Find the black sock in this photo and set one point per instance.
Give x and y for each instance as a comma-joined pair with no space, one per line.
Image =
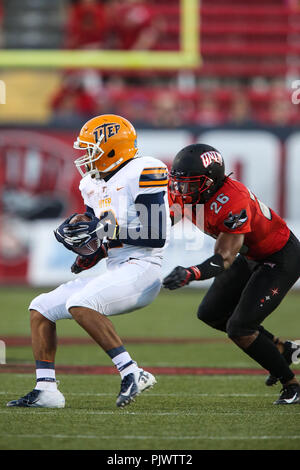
265,352
266,332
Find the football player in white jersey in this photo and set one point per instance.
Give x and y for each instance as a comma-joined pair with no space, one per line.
126,222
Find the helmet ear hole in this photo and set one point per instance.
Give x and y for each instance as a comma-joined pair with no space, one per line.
111,153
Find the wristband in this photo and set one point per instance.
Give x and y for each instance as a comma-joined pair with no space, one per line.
212,267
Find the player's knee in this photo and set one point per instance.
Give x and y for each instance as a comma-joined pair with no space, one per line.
204,314
76,312
38,320
39,310
236,329
36,316
37,303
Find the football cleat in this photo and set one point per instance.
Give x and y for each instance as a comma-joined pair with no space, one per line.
290,349
133,384
40,399
290,395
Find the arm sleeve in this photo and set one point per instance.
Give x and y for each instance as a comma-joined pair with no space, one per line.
89,210
149,229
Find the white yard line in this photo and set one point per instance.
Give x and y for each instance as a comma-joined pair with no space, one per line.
86,394
121,412
159,437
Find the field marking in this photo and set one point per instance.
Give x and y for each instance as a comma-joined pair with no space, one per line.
111,370
185,394
96,370
170,377
121,412
157,437
16,341
186,414
192,395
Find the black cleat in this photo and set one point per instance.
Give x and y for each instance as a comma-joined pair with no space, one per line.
290,349
290,395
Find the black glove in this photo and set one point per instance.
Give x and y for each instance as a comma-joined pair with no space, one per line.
60,233
86,262
179,277
79,234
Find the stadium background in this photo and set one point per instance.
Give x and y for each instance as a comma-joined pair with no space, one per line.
234,88
236,94
228,76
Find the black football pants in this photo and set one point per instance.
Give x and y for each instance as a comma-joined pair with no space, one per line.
242,297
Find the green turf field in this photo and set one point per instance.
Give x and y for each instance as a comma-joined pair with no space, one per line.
181,412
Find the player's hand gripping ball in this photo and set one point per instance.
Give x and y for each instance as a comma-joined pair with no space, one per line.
78,233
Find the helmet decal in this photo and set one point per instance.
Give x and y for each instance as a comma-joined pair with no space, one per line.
107,130
209,157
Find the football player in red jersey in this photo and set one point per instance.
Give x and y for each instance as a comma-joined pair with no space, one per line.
255,263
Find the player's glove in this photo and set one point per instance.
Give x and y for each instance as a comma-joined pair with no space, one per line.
180,277
78,234
86,262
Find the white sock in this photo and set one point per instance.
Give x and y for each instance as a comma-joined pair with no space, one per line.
50,386
45,379
121,361
128,370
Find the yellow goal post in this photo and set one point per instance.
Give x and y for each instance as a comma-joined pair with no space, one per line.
187,56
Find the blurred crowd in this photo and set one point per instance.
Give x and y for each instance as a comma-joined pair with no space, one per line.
173,101
153,99
170,103
159,100
111,24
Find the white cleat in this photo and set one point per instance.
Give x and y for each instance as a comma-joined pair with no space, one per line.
145,381
40,399
133,384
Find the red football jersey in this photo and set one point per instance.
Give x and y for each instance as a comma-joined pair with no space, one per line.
235,209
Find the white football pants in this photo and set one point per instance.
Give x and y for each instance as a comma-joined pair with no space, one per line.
129,286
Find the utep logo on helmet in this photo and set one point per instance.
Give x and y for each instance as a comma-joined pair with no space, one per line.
209,157
107,130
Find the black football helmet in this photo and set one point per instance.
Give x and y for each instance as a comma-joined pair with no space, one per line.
197,172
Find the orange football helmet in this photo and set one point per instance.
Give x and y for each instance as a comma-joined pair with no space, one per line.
109,140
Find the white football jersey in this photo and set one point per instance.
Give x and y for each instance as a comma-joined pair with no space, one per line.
117,195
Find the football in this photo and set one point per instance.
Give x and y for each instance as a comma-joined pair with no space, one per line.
79,218
90,247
